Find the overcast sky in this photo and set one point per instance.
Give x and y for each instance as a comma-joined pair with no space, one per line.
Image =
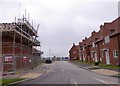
62,22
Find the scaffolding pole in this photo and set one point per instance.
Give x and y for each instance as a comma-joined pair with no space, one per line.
1,59
28,54
20,47
14,60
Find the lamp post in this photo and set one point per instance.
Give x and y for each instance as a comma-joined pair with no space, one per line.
49,53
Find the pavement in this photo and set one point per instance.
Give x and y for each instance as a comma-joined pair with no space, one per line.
97,69
31,73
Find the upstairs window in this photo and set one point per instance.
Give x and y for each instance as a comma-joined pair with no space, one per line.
93,44
112,31
106,39
74,51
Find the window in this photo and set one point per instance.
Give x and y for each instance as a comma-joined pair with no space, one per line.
112,31
102,54
106,39
91,55
74,51
83,48
115,54
93,44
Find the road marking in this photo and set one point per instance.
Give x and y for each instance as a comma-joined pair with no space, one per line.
112,82
76,83
102,81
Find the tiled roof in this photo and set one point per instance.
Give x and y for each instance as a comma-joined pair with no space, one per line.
113,28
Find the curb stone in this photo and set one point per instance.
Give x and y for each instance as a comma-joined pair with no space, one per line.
88,69
15,83
21,81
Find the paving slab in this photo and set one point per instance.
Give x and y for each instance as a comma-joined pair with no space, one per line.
105,71
31,75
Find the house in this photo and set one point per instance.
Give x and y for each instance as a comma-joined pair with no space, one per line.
110,43
84,49
74,52
94,54
102,46
18,45
99,45
115,42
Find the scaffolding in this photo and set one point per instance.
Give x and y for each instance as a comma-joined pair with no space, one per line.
18,41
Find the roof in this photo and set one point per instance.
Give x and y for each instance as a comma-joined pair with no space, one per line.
95,36
74,46
85,42
113,28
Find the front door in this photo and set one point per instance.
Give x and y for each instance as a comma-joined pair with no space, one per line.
107,57
96,60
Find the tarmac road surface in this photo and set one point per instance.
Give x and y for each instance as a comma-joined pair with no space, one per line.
63,72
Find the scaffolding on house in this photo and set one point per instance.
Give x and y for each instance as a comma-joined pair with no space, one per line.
18,39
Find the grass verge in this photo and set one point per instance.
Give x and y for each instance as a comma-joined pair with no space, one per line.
8,81
105,66
84,62
109,66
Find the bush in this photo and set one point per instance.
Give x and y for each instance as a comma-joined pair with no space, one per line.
96,63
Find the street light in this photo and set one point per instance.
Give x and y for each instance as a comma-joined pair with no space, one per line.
49,53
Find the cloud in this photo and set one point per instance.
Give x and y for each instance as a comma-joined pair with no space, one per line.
62,22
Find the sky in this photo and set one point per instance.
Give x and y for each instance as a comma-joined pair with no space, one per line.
62,22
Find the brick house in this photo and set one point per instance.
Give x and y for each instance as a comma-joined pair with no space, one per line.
74,52
99,45
110,43
102,46
81,51
115,42
18,45
94,54
84,50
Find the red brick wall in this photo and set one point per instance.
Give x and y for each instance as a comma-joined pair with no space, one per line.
74,53
113,46
7,67
101,46
7,49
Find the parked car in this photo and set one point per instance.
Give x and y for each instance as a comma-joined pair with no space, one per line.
48,61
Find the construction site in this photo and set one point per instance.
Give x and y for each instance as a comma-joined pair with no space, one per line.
19,45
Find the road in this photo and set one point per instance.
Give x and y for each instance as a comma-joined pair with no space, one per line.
63,72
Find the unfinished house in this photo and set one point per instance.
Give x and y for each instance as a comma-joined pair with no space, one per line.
18,45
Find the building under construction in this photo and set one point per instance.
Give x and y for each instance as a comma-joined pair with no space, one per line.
18,45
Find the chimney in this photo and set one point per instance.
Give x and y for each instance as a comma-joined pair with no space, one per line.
101,27
73,44
93,33
85,38
80,43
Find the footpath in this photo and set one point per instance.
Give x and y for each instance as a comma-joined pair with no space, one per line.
29,74
98,69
